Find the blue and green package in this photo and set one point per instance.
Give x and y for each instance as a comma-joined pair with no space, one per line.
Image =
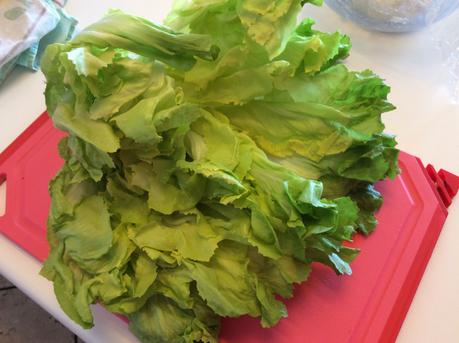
26,28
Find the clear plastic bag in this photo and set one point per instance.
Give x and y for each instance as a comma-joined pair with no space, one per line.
394,15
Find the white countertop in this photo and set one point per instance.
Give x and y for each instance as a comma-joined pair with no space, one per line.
426,122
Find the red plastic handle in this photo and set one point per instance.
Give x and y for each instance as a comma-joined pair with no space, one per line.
445,183
451,181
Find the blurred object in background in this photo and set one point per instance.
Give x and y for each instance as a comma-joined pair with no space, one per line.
445,36
394,15
26,28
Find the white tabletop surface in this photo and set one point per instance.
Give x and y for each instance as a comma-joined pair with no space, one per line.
426,122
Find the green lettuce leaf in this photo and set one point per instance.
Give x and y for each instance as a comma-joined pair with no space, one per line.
208,164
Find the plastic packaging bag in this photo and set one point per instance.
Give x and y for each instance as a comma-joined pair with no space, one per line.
23,23
26,28
394,15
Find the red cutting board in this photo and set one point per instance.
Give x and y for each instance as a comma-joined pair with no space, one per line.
369,306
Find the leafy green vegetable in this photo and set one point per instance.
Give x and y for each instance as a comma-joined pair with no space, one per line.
208,164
